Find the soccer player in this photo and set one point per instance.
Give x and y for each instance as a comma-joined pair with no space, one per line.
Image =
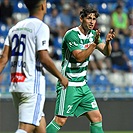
77,99
27,47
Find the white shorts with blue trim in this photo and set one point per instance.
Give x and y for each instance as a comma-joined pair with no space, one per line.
29,107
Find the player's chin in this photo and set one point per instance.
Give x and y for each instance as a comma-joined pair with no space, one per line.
90,27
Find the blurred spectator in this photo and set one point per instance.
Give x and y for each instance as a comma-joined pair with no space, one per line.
119,21
93,67
121,3
57,43
6,11
81,2
130,15
75,10
97,63
119,60
128,43
53,20
65,15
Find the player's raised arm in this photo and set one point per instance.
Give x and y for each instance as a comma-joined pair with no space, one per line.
106,47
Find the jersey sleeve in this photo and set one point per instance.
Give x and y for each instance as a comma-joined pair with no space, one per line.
72,41
43,38
7,40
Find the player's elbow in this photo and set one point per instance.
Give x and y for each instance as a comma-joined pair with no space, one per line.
80,60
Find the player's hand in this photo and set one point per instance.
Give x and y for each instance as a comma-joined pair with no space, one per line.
110,35
64,81
96,40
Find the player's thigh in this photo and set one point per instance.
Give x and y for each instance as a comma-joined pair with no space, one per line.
30,108
88,102
42,127
67,101
32,128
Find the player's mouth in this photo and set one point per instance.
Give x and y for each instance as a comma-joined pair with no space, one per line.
90,26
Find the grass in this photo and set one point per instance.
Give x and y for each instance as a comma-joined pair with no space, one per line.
105,132
88,132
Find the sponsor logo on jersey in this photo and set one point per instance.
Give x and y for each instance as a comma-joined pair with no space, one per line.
44,42
18,77
94,104
86,46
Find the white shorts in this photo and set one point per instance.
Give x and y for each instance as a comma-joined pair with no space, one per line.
29,107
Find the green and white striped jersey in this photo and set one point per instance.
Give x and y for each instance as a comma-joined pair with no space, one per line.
73,70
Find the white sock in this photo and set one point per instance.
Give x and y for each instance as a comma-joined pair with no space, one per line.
20,131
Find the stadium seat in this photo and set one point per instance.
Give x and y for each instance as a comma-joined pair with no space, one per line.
100,88
116,79
3,29
90,80
129,89
129,53
20,7
103,8
101,80
2,42
94,1
103,19
115,89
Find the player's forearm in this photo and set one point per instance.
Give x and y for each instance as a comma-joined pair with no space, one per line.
84,54
50,66
107,49
2,63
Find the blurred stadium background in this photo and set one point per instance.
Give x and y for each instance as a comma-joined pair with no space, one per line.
112,88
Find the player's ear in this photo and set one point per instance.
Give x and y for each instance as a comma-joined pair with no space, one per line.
43,6
81,19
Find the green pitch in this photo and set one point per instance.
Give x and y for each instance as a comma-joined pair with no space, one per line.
88,132
105,132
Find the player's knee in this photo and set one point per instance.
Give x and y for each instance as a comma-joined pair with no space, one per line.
20,131
97,118
60,120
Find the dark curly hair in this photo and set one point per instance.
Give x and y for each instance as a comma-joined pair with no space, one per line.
87,10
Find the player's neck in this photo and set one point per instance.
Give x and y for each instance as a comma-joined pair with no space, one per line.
83,30
36,15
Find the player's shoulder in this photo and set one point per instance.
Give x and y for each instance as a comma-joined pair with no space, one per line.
72,32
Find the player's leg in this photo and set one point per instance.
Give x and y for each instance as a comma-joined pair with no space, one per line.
28,128
88,107
30,111
55,125
58,121
25,128
65,106
96,121
42,127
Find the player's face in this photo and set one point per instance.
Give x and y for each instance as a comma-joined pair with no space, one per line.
89,22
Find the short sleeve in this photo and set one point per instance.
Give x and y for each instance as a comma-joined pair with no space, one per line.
42,38
7,41
72,41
